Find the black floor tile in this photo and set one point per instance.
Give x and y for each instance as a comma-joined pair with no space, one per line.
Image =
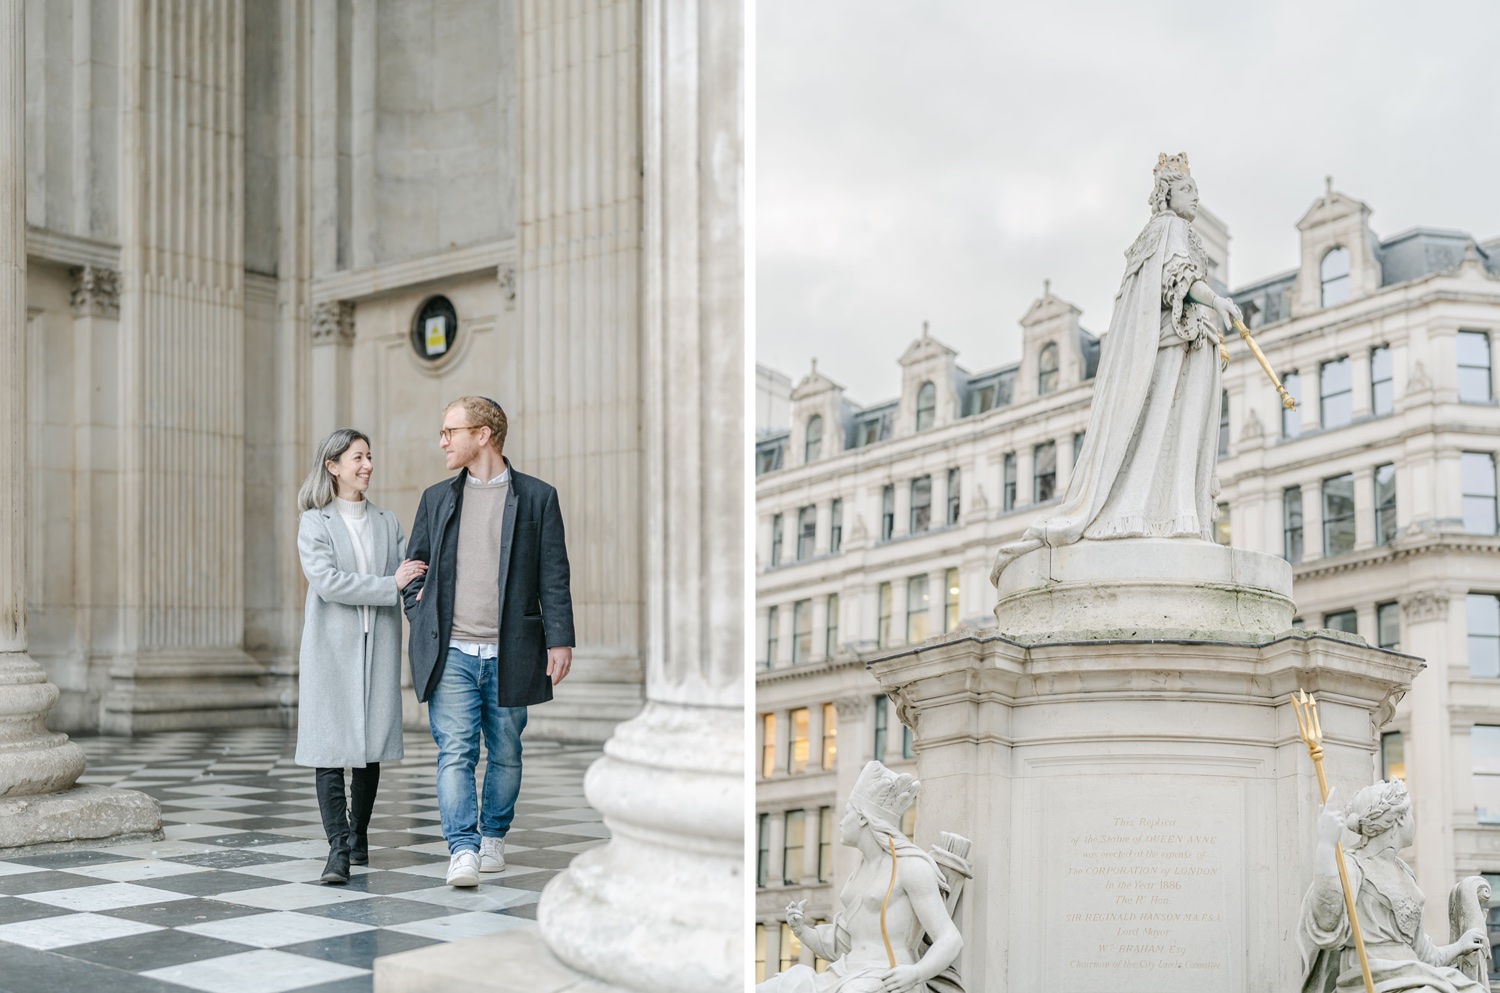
230,858
249,839
525,910
68,860
213,883
384,882
400,858
153,950
13,909
41,882
177,913
359,950
25,970
541,858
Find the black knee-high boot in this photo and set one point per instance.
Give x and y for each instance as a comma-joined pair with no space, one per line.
335,824
361,805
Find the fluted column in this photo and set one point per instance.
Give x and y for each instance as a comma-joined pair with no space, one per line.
660,906
182,373
32,759
332,343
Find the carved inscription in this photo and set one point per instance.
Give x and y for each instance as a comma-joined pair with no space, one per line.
1145,892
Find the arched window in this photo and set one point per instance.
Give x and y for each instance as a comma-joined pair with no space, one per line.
1046,380
814,444
926,406
1334,273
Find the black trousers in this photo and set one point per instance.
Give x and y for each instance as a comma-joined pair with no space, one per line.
342,821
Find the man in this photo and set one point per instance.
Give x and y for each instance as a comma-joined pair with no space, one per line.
491,626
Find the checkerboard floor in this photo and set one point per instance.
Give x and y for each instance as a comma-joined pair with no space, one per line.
230,901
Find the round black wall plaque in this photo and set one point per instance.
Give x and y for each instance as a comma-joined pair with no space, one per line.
435,329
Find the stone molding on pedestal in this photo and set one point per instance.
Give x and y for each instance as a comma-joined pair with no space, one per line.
333,323
96,291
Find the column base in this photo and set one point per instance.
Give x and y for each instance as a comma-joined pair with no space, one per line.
512,962
597,696
83,814
182,691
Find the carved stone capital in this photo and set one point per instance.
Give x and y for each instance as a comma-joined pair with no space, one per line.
96,291
850,707
333,322
507,276
1427,605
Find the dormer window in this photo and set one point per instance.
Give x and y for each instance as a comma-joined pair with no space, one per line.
1046,379
813,447
1334,273
926,406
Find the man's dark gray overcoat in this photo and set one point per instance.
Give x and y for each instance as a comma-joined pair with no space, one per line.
535,606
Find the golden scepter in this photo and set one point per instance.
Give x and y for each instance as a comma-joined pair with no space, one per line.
1286,398
1306,709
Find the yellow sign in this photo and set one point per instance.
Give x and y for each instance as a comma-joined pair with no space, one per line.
437,335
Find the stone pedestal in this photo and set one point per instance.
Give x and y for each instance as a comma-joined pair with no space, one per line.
1141,804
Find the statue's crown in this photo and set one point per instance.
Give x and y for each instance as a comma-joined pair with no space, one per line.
883,792
1173,163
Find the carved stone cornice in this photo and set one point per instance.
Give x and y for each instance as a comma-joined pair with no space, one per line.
96,291
507,276
333,322
1426,605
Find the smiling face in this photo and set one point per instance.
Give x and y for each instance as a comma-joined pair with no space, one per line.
461,442
1182,198
351,471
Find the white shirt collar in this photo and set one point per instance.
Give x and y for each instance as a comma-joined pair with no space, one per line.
503,477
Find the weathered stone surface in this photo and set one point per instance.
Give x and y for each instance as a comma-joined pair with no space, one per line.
514,961
1132,588
83,813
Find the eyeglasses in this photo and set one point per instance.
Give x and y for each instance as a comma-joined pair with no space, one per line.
447,433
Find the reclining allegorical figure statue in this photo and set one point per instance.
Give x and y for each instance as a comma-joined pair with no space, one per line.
1402,959
896,931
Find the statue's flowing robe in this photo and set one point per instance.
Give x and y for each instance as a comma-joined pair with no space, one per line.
1148,458
1389,904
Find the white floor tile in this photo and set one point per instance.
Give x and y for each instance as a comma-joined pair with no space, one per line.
170,816
473,898
456,926
274,929
184,832
70,929
315,847
219,789
106,896
15,868
130,872
263,971
300,871
292,896
209,802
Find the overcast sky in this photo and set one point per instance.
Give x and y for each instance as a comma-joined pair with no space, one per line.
937,160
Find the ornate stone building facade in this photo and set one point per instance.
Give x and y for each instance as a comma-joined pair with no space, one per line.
877,525
239,219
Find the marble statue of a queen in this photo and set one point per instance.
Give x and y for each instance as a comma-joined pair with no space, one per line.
1148,458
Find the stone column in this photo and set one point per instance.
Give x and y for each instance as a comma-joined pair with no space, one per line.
182,329
1429,745
32,759
39,802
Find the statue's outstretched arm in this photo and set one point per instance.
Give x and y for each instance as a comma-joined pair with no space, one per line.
820,938
1227,309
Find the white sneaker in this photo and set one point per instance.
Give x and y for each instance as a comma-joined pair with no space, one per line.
463,869
491,854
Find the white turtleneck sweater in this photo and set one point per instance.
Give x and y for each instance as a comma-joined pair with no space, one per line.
357,519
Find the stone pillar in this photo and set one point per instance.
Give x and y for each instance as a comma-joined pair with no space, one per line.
39,802
32,759
181,661
1429,746
660,907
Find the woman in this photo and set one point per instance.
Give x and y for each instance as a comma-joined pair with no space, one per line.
1149,454
1402,958
349,682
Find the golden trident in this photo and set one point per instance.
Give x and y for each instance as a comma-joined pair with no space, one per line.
1286,398
1306,709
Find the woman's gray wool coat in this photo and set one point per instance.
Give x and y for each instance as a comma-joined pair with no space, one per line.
349,707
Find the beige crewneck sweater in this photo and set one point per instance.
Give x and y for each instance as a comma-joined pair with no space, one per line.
476,588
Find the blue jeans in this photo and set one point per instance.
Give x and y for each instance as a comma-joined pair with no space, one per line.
464,705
